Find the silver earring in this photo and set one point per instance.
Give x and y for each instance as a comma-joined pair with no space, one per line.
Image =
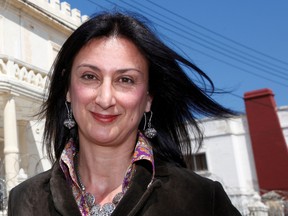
69,121
149,132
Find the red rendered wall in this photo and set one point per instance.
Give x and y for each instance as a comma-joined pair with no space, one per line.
268,143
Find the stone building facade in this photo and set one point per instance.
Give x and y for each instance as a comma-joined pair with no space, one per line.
31,34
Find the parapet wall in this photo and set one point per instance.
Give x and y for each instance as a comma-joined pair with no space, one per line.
59,10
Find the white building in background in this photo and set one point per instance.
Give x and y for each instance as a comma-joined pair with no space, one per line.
31,34
226,156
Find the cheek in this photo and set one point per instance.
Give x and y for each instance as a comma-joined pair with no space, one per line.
80,95
136,104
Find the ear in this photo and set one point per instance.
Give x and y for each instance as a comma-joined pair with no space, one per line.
148,103
68,98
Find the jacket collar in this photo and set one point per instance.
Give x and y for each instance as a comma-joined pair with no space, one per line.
143,184
139,191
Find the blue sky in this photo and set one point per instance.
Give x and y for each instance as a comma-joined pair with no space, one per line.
241,45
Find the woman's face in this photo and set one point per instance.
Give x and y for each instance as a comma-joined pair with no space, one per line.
109,91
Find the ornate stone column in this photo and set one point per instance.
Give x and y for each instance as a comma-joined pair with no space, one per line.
11,147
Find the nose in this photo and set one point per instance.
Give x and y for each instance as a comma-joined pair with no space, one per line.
105,95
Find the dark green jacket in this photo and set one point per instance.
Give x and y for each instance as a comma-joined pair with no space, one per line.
174,191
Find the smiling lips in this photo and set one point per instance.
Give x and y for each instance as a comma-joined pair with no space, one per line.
104,118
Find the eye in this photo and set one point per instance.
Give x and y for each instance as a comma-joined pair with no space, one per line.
126,80
88,77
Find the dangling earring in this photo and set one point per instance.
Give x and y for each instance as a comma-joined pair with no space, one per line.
69,121
149,131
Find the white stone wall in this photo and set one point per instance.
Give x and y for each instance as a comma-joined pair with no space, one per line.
28,39
229,154
31,34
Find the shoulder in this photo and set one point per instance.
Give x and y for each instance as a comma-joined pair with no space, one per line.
190,187
31,196
189,181
34,182
31,186
182,175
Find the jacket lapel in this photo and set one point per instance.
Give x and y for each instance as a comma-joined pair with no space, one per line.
134,195
62,196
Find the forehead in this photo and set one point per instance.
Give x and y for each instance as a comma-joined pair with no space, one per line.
113,51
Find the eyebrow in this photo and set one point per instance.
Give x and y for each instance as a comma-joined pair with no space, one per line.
95,68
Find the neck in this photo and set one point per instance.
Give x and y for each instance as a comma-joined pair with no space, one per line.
102,171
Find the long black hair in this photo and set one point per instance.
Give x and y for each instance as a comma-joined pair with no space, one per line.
177,100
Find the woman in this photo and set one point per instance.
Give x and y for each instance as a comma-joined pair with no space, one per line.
115,115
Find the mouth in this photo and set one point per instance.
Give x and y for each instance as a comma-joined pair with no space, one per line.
104,118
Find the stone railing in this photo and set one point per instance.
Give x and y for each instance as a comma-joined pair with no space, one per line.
16,71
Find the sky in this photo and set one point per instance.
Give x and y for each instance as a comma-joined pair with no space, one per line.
241,45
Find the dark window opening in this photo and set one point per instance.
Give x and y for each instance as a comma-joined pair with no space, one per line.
197,162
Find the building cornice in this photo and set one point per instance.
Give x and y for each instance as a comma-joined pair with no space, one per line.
57,15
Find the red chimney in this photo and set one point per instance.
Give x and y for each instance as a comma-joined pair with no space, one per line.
268,142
